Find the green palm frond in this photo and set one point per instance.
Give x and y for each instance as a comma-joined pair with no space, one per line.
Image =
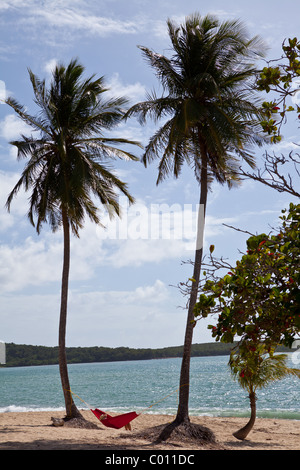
68,155
208,95
260,370
274,368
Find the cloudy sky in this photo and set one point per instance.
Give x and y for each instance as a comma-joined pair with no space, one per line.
123,275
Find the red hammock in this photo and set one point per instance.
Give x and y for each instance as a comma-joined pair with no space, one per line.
116,422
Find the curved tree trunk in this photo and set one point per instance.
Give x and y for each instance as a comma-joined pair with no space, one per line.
183,406
243,432
71,409
182,416
184,391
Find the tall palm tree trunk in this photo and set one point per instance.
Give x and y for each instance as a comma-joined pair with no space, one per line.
243,432
184,392
71,409
182,416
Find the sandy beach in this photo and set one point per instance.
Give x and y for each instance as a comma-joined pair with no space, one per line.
35,431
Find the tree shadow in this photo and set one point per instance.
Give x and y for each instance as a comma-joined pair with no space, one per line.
247,443
64,444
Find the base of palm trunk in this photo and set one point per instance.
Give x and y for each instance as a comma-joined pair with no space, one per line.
78,422
186,429
242,433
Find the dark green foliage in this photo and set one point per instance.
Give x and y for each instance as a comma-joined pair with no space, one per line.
209,105
258,300
68,159
28,355
281,78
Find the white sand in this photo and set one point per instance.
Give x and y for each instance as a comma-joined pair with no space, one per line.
35,431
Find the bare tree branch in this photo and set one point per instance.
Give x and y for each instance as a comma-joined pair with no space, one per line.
239,230
272,175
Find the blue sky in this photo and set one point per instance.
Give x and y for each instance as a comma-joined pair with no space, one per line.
121,288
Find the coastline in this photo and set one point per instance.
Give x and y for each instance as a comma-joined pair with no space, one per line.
34,430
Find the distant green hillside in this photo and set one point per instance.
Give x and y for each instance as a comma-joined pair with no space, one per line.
26,355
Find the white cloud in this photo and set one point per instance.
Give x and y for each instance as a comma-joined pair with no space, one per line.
150,233
141,236
37,260
30,319
78,20
50,66
153,294
136,318
31,263
72,17
140,317
156,232
6,5
138,252
135,91
296,89
18,209
81,16
2,91
12,127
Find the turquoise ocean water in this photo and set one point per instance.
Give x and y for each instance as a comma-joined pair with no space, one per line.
137,385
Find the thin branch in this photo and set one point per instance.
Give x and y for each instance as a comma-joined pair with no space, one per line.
272,177
239,230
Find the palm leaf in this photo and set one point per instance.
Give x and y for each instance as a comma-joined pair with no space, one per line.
207,95
68,153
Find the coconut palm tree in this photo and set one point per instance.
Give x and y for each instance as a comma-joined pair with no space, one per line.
68,167
209,114
255,371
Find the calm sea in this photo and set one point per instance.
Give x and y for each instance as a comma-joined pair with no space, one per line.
145,385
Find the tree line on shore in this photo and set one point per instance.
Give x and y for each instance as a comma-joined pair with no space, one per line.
19,355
